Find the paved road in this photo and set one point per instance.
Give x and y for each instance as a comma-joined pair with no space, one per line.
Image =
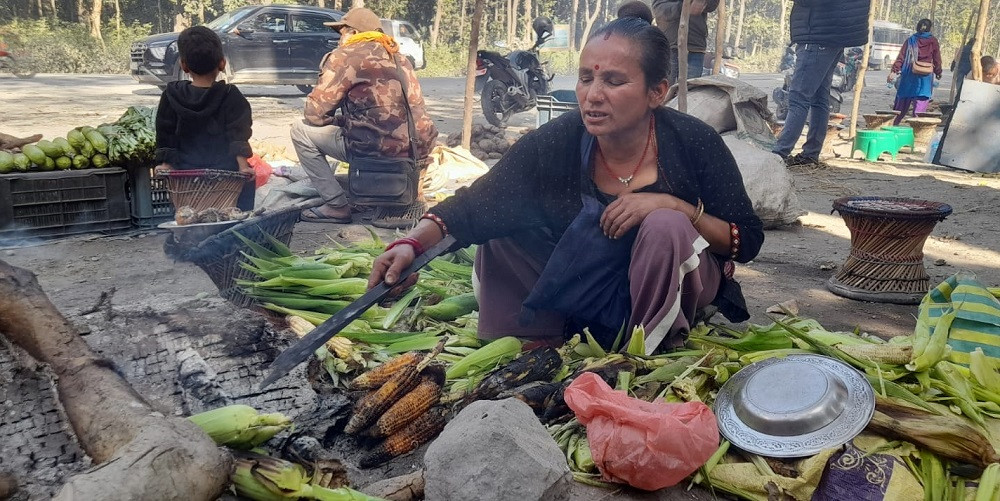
51,104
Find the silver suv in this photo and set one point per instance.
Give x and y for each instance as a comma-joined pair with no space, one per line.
408,39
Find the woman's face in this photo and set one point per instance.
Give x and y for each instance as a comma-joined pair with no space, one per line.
611,87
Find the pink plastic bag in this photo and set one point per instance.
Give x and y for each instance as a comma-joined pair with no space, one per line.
646,445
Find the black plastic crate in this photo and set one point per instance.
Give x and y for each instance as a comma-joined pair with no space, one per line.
60,203
554,104
149,198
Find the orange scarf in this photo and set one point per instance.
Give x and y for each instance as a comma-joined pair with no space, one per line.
374,36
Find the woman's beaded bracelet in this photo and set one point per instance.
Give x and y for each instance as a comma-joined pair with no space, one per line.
438,221
412,242
699,210
734,240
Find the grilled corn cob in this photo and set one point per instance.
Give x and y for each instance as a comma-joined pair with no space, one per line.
408,408
892,354
536,394
539,364
415,434
379,375
372,405
240,426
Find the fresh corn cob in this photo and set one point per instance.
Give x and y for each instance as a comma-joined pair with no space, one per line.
263,478
936,347
452,307
379,375
338,345
415,434
372,405
486,358
240,426
890,354
408,408
582,458
984,370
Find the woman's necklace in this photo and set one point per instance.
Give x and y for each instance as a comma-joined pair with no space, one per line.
627,180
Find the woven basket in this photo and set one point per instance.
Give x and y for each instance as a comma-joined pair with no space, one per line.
220,258
203,189
887,240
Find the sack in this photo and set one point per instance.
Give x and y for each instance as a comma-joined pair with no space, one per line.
382,181
922,68
644,444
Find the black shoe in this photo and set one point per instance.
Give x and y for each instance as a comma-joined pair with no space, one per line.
800,161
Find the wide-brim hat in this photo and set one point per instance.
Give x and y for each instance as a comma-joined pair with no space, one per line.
359,18
794,406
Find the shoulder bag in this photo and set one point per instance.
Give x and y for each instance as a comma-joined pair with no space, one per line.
386,181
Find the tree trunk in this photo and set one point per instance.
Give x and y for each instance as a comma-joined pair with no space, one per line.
436,27
682,57
95,19
81,12
720,43
357,4
321,3
54,8
470,75
933,8
781,23
591,18
729,24
572,25
856,106
965,39
461,20
739,24
512,7
528,35
118,17
888,9
977,48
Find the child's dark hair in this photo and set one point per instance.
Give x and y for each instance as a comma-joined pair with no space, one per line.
653,45
636,8
200,49
988,63
924,25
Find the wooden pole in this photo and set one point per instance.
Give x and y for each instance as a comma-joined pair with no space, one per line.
933,8
977,48
682,57
470,75
720,38
859,86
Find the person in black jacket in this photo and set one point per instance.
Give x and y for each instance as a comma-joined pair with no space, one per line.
202,123
624,212
821,29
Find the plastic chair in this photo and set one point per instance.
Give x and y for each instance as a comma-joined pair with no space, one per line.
875,142
904,136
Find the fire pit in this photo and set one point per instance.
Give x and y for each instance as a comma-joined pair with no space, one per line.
885,264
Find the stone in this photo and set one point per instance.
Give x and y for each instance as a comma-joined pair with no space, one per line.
496,451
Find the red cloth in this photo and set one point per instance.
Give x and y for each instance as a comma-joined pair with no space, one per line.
927,50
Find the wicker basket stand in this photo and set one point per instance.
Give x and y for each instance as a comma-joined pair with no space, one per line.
203,189
885,264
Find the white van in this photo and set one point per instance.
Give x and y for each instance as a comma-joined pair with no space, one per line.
408,39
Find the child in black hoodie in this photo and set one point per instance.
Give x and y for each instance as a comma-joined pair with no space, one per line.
202,123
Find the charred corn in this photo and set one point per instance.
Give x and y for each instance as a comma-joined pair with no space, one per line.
379,375
539,364
240,426
415,434
537,394
340,346
890,354
408,408
372,405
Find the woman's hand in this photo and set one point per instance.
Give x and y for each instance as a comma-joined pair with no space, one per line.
890,78
630,209
390,265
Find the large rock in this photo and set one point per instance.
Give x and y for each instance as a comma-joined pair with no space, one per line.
493,451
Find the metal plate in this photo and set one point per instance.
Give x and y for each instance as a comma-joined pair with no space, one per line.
830,384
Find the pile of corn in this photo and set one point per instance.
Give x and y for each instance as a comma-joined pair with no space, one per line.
310,289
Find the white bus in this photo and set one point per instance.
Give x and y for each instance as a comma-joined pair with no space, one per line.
887,39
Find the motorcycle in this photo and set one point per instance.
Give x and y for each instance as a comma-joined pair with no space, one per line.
8,63
845,76
515,80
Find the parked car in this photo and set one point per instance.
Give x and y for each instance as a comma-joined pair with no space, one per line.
409,40
263,44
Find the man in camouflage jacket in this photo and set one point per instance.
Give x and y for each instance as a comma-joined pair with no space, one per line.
360,79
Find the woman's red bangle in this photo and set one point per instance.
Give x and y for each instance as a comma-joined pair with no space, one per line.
734,240
438,221
412,242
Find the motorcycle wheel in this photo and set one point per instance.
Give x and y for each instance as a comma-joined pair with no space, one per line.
494,94
305,89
